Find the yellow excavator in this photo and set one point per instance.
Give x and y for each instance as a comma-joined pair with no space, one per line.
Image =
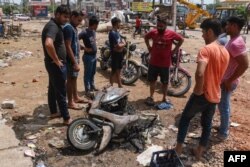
195,12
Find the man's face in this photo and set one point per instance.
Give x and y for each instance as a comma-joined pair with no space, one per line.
118,25
95,27
161,27
62,18
76,20
205,36
230,28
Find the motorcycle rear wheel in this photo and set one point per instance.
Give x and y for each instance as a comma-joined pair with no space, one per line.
181,86
130,74
78,137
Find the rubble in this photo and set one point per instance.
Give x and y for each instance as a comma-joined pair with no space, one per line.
30,153
145,157
8,104
56,142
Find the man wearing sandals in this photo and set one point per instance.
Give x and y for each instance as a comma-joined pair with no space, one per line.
212,62
55,62
160,60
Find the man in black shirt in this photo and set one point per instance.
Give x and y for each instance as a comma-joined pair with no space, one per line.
55,62
89,58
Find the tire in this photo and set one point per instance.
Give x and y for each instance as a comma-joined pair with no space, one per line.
131,74
173,86
75,134
102,66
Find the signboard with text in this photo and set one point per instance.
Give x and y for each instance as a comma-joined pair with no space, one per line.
142,6
40,11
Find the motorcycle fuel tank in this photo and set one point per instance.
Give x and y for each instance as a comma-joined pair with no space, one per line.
114,94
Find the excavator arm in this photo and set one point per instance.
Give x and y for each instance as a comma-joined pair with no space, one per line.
191,17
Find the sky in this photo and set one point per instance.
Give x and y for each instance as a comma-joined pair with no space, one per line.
194,1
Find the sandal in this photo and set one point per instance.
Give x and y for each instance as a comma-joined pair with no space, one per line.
67,122
150,101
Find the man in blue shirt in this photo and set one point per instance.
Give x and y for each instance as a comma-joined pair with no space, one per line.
116,48
73,49
89,58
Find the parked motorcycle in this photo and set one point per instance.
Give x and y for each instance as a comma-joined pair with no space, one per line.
130,71
180,79
103,123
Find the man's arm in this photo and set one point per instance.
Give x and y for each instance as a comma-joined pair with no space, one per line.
199,78
83,47
49,45
242,67
146,39
70,54
178,45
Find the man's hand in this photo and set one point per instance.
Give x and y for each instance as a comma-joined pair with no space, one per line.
198,92
228,85
76,67
58,63
149,49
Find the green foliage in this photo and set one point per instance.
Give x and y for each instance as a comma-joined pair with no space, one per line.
241,10
50,8
10,9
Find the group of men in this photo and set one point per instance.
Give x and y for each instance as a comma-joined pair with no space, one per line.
219,65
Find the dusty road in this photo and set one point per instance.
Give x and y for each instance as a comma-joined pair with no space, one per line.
17,83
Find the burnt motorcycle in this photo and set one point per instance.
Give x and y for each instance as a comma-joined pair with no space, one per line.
130,70
108,117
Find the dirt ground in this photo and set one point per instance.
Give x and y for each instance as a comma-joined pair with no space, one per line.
17,83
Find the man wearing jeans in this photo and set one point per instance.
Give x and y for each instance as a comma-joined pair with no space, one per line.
55,62
89,58
237,66
212,62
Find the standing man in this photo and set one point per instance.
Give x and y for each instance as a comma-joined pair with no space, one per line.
55,62
116,48
212,62
73,49
89,58
160,59
237,66
137,25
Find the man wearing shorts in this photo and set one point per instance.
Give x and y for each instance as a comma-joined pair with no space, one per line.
116,48
72,47
160,59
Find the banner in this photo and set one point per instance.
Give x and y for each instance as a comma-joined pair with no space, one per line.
40,11
142,6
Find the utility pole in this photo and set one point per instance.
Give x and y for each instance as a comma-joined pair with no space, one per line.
174,8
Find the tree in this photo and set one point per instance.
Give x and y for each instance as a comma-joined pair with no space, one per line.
8,9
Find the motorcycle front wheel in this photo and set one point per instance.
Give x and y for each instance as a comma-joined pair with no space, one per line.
180,86
80,134
130,74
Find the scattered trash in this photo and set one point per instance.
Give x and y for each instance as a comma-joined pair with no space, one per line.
31,145
3,64
40,164
234,124
56,142
34,80
172,127
32,137
41,116
164,106
145,157
8,104
191,135
2,121
30,153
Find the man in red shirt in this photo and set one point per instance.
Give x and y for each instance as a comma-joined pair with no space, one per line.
138,23
160,60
